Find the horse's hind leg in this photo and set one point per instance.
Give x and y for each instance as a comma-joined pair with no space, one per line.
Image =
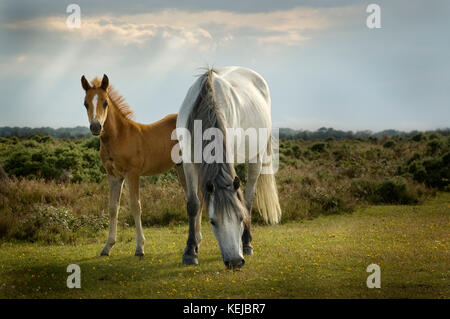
254,169
115,189
190,255
135,205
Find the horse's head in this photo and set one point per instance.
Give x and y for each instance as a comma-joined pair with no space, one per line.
227,214
96,102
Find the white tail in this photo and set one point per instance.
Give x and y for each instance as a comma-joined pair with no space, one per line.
266,199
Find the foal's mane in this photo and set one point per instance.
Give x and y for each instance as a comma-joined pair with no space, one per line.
220,174
117,99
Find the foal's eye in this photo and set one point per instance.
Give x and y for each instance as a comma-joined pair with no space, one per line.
86,104
212,222
105,104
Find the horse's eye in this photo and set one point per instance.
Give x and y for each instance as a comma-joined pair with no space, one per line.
212,222
105,104
86,104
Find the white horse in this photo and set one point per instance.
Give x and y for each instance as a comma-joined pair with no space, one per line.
230,97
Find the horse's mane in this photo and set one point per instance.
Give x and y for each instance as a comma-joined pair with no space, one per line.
117,99
220,174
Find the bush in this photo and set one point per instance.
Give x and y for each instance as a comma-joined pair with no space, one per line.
318,147
363,189
417,137
434,136
49,158
389,144
329,203
433,147
395,191
93,142
50,225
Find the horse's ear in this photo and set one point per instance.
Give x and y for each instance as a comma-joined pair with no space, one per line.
85,83
209,187
105,82
236,183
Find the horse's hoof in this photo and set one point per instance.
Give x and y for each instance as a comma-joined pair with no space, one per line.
248,250
190,260
139,254
104,253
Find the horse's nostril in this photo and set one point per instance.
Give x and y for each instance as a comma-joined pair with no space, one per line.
95,127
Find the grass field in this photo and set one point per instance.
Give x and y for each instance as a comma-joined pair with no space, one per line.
325,257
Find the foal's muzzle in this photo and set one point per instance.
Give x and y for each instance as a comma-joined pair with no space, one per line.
95,128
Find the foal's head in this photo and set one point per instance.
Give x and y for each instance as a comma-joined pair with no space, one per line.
96,102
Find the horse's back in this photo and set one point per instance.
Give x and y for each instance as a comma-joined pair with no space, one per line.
241,93
242,79
243,97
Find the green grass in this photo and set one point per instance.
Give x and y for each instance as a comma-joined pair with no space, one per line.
324,257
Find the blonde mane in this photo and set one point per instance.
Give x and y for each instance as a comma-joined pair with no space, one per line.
117,99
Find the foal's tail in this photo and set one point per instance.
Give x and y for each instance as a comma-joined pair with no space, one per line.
266,199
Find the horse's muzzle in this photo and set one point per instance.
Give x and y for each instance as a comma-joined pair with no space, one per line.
95,128
235,263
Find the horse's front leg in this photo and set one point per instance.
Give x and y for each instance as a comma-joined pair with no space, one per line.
190,255
135,206
254,169
115,190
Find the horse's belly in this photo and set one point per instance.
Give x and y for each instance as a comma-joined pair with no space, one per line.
113,168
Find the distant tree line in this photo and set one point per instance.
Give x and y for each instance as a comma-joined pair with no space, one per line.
324,133
63,132
284,133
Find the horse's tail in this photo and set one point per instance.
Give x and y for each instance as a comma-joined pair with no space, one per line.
266,199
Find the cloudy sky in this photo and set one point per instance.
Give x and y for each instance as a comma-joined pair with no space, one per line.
324,66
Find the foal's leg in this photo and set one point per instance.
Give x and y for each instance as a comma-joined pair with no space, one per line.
180,173
254,169
190,255
135,205
115,189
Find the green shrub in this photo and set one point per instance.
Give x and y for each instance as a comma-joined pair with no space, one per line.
395,191
93,142
434,136
433,147
389,144
318,147
417,137
296,151
363,189
329,203
52,225
38,158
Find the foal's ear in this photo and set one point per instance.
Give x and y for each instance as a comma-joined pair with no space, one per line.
85,83
209,187
105,82
236,183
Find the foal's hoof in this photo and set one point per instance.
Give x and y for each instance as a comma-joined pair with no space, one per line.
190,260
248,250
